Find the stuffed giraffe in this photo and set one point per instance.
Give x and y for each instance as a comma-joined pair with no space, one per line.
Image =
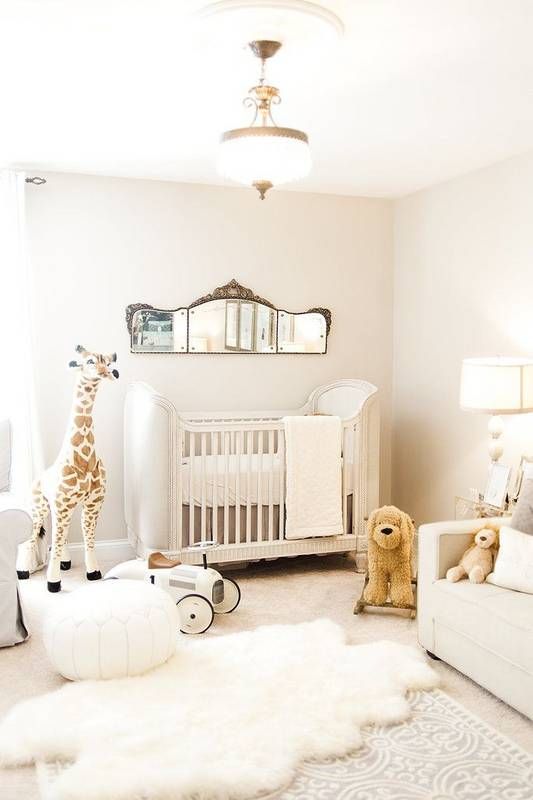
76,477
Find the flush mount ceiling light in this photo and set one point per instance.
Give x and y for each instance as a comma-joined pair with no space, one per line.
264,155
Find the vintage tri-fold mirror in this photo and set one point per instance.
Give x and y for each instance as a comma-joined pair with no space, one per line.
232,319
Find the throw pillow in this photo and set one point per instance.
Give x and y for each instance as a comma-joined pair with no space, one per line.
514,563
522,519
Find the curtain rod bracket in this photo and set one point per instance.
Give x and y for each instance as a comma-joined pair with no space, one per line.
36,181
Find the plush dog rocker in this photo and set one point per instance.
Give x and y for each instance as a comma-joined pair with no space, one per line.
477,562
390,543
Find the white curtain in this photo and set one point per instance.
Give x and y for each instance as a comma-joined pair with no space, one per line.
17,389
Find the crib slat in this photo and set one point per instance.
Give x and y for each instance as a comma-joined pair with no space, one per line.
214,497
271,486
281,457
203,449
177,542
238,449
355,485
249,450
192,454
226,486
345,466
260,486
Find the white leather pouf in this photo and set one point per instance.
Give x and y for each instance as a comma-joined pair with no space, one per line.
111,629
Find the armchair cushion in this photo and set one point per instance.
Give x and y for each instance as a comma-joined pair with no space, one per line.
496,619
514,565
522,519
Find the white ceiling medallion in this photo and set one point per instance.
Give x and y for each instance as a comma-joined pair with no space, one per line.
264,154
291,22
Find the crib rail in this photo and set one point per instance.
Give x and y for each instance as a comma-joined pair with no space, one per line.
233,474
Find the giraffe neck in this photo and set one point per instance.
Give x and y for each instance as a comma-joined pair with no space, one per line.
79,431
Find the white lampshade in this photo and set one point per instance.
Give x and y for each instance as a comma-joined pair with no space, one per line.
251,155
497,385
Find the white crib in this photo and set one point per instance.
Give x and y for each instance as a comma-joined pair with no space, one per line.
192,476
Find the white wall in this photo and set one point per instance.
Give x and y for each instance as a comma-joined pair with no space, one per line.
98,244
463,286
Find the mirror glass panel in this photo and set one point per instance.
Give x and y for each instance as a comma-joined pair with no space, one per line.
231,319
301,333
232,326
155,331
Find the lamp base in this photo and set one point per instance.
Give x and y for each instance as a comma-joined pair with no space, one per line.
495,429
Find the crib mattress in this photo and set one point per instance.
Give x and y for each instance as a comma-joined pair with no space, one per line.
255,473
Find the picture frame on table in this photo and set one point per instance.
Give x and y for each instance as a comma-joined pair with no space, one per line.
525,470
497,486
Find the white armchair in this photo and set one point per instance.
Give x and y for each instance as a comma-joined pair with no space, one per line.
482,630
15,528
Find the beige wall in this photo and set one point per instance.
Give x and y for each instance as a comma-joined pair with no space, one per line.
98,244
463,286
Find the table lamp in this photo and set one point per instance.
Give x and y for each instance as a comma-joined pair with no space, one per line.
497,386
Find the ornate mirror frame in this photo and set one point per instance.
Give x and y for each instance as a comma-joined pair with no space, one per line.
230,291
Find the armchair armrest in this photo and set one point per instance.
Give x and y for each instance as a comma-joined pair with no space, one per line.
15,525
441,544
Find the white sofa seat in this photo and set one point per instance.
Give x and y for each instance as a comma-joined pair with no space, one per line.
482,630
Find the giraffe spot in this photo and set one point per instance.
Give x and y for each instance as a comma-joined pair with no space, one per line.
68,482
80,462
67,470
90,437
92,462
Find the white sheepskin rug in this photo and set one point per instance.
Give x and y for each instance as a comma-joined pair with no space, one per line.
226,717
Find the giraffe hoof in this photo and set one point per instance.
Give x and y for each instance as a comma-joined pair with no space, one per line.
94,576
23,574
54,586
64,565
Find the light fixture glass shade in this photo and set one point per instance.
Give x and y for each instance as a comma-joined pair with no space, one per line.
497,385
264,154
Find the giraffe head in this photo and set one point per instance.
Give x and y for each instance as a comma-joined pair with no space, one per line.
95,366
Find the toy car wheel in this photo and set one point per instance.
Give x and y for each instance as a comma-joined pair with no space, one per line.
232,598
196,613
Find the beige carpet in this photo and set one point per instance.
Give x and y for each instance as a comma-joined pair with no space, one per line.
282,591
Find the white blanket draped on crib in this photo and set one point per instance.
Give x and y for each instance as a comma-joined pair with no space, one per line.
314,477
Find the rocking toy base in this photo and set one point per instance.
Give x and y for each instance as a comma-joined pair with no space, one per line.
23,574
65,565
94,576
54,586
361,604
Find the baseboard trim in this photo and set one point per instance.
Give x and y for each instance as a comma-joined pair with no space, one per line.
112,550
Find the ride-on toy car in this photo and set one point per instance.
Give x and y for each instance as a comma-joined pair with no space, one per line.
199,592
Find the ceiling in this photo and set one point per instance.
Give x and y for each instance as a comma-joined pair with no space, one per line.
417,92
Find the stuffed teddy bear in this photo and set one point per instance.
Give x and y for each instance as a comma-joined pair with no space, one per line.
390,542
477,562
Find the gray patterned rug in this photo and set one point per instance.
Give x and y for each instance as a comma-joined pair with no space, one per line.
442,753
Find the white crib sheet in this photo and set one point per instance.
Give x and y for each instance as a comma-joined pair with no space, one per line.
214,473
